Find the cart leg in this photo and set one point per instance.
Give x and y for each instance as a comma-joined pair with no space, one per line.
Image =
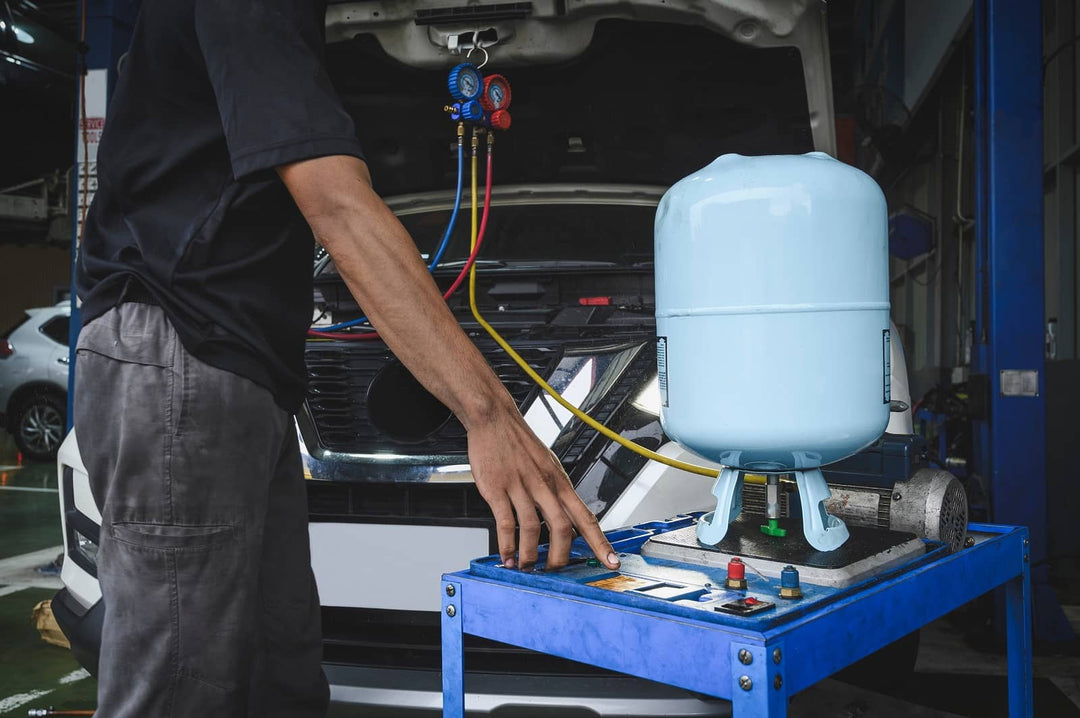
453,653
757,674
1018,634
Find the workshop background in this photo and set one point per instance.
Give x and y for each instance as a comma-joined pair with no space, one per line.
905,93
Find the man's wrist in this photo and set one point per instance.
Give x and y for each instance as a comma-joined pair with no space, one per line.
483,407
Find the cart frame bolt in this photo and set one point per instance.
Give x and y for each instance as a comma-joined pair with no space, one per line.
450,590
969,542
778,681
745,657
777,655
745,683
451,611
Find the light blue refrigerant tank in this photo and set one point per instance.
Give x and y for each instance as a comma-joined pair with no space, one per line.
772,314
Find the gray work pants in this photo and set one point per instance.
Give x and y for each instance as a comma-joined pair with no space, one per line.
210,603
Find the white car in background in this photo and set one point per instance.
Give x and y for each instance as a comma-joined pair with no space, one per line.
34,380
613,102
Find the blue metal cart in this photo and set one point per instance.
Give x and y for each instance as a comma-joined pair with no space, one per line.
755,661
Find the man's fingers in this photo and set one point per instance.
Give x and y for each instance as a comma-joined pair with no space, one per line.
588,527
529,524
560,530
504,528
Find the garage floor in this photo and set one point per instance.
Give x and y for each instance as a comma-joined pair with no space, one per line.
951,679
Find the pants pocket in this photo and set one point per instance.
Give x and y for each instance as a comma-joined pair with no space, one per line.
183,593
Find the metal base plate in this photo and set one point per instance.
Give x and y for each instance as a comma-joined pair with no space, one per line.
867,553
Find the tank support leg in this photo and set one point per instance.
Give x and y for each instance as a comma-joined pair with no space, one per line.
712,527
823,531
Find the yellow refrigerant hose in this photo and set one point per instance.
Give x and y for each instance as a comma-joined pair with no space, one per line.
632,446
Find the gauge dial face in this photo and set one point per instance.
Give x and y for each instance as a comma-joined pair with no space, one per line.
496,93
468,83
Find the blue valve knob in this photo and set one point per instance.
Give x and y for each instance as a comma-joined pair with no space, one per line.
789,583
465,82
468,111
471,111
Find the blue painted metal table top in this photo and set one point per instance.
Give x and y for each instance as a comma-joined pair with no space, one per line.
678,589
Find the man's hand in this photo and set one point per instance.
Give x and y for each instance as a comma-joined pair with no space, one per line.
516,474
382,268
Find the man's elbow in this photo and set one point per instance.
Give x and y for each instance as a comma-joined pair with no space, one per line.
333,193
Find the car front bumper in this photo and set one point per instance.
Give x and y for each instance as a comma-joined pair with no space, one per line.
501,694
82,626
421,690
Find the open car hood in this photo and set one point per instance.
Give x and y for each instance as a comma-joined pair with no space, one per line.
603,91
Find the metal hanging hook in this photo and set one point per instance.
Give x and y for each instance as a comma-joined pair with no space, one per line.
477,45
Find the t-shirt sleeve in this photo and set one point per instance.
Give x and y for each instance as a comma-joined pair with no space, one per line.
265,62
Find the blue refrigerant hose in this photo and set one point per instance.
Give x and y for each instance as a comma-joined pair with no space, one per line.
442,246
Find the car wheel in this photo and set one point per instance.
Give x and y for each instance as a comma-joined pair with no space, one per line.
39,426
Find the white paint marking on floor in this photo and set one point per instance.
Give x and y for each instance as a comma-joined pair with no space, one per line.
1070,687
21,571
29,560
20,699
8,590
74,676
29,488
11,467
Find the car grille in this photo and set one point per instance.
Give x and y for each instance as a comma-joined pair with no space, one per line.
339,374
640,370
327,500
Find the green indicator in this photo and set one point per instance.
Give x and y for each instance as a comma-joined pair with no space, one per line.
592,562
773,529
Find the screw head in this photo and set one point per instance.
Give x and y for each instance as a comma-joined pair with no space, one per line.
450,590
745,683
451,611
897,496
778,681
969,542
745,657
777,655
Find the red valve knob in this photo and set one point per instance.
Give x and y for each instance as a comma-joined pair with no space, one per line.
500,120
736,569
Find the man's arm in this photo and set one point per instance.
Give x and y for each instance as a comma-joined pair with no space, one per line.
379,262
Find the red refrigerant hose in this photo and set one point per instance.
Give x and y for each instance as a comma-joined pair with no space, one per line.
457,282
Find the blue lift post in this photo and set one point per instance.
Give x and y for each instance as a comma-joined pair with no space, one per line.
1010,437
109,26
756,663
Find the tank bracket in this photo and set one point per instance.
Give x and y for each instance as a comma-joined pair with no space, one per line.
823,531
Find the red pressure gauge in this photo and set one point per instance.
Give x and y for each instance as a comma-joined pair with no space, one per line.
496,94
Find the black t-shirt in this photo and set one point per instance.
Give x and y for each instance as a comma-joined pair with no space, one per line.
189,212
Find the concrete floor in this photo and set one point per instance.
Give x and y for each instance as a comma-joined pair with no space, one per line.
951,677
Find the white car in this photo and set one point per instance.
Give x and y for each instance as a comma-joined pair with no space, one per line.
34,380
613,102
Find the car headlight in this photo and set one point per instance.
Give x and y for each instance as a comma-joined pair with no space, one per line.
86,547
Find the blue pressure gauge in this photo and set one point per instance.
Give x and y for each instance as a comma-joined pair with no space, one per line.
465,82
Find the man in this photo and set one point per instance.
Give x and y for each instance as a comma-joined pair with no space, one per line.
224,136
